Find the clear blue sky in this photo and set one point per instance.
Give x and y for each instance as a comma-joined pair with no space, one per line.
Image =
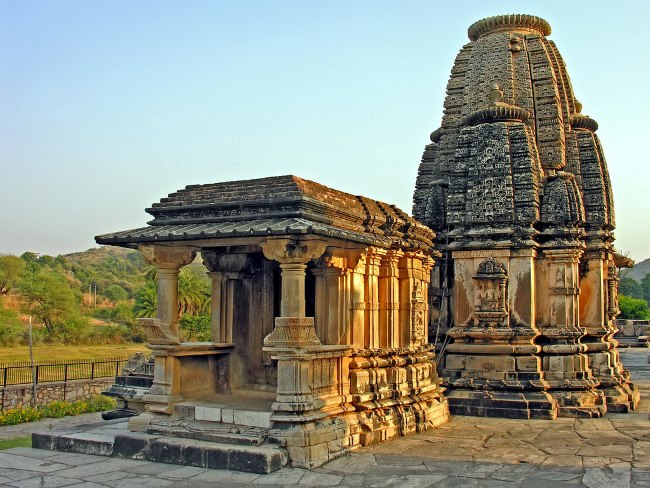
106,106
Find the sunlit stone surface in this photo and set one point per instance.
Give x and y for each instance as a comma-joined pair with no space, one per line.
515,184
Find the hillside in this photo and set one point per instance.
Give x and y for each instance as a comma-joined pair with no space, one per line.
96,254
639,270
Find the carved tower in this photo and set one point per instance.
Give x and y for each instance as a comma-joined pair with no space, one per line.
515,184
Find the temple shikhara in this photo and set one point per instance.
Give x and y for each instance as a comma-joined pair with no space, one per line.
339,321
516,186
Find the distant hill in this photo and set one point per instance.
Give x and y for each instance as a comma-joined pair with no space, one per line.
108,265
639,270
96,254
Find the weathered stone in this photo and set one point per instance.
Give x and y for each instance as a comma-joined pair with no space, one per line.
344,356
516,187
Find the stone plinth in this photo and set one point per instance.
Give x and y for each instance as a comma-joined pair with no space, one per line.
186,370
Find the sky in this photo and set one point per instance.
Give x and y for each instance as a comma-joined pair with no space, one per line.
108,106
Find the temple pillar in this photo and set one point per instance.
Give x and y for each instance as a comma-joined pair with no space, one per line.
389,335
310,376
372,298
168,260
181,370
413,278
217,306
598,308
330,280
564,362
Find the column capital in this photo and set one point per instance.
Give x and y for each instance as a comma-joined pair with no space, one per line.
173,257
293,251
216,260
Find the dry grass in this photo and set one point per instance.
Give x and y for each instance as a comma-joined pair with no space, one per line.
47,353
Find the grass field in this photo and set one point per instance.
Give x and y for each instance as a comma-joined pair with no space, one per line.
16,442
47,353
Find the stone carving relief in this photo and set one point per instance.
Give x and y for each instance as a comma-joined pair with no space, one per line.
490,307
418,313
612,291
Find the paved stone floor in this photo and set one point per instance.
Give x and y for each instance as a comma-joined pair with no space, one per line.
467,452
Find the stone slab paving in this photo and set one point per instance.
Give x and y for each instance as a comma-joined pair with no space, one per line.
610,452
22,430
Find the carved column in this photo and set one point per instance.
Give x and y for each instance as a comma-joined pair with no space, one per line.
566,367
330,278
168,261
223,269
371,298
358,303
292,328
412,302
163,332
389,299
308,378
217,308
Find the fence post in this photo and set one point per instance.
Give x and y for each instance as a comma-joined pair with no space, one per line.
37,373
92,371
65,373
4,383
117,367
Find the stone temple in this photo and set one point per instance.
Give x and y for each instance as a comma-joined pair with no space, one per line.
516,186
327,307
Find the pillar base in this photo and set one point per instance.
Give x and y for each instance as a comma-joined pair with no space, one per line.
503,404
579,403
622,398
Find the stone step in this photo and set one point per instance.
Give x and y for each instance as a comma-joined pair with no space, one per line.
190,452
259,459
230,415
244,435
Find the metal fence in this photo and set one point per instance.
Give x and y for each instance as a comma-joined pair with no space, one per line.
65,370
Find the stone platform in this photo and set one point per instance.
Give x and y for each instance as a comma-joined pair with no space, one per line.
468,451
234,449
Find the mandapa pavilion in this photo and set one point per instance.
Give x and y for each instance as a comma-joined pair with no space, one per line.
319,321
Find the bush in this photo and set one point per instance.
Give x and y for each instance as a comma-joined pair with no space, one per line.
196,328
633,308
11,328
56,409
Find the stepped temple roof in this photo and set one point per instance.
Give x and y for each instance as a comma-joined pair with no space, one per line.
274,206
511,125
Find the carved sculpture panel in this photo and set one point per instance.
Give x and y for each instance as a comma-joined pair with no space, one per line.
490,307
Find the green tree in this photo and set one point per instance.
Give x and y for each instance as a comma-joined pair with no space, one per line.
115,293
196,328
11,268
645,285
49,298
630,287
193,295
633,308
11,328
146,301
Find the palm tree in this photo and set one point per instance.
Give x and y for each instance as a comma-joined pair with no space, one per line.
146,301
193,294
